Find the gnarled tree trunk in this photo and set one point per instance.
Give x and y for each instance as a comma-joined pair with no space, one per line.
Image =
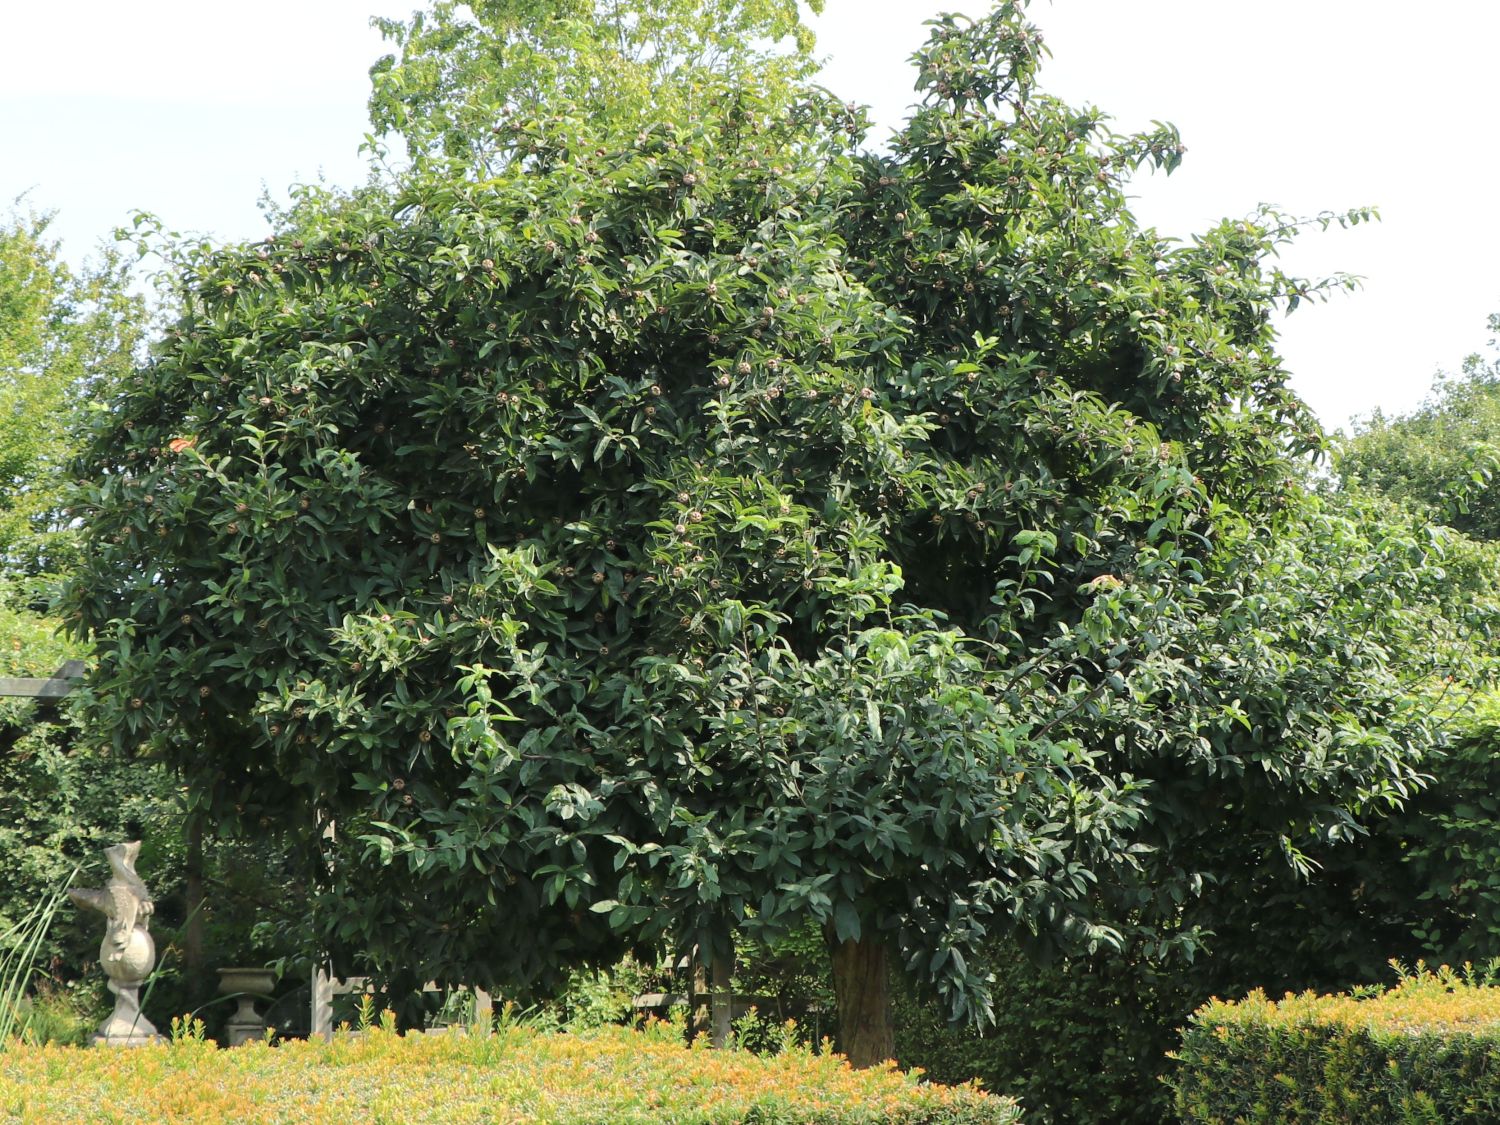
861,983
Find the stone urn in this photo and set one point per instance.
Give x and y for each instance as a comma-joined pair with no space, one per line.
127,954
247,985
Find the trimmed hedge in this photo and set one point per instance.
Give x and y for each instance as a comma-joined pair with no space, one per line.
612,1075
1426,1052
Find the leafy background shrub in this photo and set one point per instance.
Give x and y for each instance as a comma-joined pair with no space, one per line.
1452,844
61,800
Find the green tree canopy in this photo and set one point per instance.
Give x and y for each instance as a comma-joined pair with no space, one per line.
712,525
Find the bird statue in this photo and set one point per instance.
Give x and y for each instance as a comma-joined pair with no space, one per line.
127,952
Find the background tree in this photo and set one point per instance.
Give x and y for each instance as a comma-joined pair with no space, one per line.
1439,459
1349,599
1359,567
61,332
459,67
710,527
1438,462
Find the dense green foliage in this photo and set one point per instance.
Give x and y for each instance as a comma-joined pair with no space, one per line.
1079,1040
1418,1054
1438,462
1352,901
717,527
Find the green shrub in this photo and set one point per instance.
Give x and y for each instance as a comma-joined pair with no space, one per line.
1079,1041
57,1015
598,997
1422,1053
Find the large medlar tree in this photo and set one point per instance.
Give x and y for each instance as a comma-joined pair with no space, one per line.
631,538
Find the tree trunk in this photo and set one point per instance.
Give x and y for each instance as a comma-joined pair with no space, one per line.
861,983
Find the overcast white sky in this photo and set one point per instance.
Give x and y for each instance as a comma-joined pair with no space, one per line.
188,109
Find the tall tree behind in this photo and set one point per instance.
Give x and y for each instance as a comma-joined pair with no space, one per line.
61,332
1439,459
460,67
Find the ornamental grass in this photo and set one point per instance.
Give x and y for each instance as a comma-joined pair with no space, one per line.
612,1076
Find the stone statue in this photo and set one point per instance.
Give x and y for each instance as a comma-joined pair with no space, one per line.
127,953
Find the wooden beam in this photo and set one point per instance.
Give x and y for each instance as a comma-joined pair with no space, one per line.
58,685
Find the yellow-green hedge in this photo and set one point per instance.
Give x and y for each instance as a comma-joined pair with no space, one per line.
613,1076
1424,1053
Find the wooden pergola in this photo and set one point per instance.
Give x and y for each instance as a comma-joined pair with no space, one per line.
55,686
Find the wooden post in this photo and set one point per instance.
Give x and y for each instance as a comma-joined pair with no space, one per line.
192,934
700,998
322,1004
723,1000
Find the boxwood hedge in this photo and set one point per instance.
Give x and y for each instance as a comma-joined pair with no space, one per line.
1426,1052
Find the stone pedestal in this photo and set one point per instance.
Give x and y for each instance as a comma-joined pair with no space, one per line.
247,986
126,1027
